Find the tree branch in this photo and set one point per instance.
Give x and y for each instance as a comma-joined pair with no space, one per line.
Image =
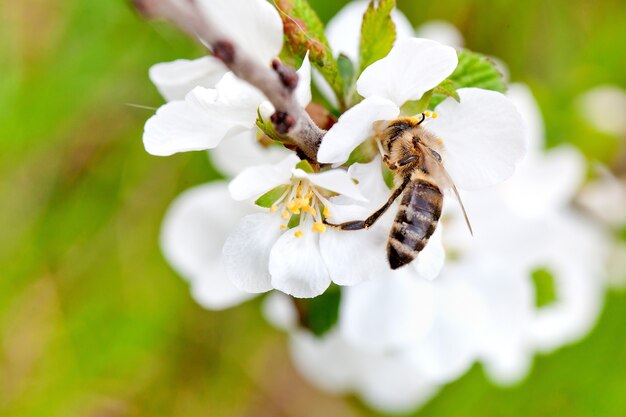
277,82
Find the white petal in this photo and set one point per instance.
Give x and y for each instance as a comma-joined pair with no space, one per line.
253,25
176,78
240,151
453,342
413,67
507,294
441,31
233,101
389,383
605,107
343,31
338,181
528,108
303,89
181,126
193,232
575,252
255,181
341,249
545,182
280,311
605,198
429,262
327,361
386,314
483,137
217,294
246,252
354,127
325,89
296,265
370,182
510,367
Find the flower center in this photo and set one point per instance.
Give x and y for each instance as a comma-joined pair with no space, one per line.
302,199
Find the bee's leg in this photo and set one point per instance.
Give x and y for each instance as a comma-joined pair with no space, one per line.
364,224
402,162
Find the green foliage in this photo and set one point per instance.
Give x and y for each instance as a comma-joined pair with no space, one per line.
293,221
268,199
267,127
347,72
94,321
304,31
305,166
448,89
363,153
320,314
545,290
378,32
474,70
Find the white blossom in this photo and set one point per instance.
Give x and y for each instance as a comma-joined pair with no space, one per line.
385,381
482,304
604,107
207,104
482,137
193,233
265,251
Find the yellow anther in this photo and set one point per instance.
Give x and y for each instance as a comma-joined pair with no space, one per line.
294,206
309,210
286,215
434,116
439,140
427,113
273,208
283,226
327,212
319,227
299,192
298,233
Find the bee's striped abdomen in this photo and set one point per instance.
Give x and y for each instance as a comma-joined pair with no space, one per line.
415,222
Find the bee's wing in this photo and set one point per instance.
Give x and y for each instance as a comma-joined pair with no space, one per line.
441,176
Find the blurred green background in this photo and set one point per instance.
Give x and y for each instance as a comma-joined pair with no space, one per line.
93,322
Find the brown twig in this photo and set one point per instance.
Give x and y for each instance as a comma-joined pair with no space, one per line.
276,82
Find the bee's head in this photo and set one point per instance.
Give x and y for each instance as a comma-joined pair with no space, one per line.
388,132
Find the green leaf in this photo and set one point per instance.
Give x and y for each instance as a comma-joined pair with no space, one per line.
293,221
267,127
378,32
347,72
448,88
413,107
304,31
270,197
474,70
320,314
305,166
363,153
545,289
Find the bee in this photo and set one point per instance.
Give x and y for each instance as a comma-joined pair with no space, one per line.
409,151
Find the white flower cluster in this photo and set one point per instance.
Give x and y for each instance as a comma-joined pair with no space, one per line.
401,333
